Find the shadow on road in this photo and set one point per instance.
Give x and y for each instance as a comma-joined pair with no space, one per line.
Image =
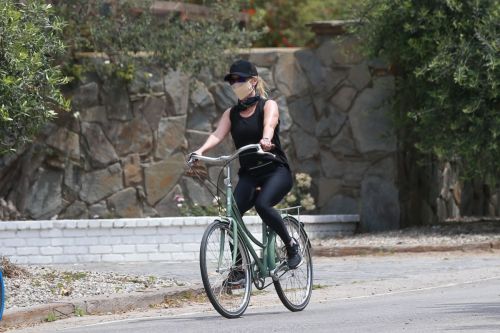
475,309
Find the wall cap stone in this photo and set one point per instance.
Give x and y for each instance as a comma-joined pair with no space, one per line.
331,28
329,218
157,221
259,50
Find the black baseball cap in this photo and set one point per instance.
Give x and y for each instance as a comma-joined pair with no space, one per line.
241,68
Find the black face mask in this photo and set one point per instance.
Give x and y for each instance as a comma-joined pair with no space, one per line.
246,103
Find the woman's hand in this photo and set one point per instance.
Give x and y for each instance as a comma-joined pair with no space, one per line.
197,152
191,157
266,144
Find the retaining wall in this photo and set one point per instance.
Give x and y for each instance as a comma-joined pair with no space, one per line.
129,240
120,152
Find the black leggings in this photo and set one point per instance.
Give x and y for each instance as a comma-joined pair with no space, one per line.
274,186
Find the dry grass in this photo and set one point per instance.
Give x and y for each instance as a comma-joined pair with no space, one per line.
179,300
11,270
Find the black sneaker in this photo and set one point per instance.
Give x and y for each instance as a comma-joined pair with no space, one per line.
235,278
294,255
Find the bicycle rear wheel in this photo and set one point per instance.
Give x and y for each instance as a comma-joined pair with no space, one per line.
229,298
294,286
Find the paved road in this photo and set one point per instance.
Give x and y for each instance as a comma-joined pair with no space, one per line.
460,308
452,292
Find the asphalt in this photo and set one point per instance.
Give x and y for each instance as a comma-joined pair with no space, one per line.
187,272
465,307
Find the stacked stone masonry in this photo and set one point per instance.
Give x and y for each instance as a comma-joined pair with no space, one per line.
121,151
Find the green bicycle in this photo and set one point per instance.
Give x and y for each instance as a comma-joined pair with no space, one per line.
229,262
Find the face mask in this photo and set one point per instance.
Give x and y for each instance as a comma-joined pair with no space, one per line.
242,89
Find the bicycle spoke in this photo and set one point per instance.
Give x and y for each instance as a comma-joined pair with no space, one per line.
294,286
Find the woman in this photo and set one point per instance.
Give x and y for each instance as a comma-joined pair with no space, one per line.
256,119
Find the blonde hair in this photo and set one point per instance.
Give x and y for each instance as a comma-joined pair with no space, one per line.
261,87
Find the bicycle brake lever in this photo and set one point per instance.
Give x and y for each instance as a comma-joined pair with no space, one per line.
191,160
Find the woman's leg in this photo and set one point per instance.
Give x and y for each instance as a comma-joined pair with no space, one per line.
244,193
275,187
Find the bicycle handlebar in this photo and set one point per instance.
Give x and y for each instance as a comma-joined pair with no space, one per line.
226,158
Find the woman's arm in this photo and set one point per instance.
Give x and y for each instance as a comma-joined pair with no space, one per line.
218,135
271,119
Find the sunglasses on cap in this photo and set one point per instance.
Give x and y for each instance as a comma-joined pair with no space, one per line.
234,79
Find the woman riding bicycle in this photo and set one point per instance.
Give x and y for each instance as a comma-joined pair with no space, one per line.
263,180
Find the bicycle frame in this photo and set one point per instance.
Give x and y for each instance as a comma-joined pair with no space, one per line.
265,264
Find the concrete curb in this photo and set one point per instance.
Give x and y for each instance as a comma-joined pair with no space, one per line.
341,251
92,306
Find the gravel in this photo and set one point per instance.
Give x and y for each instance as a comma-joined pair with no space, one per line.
444,234
42,285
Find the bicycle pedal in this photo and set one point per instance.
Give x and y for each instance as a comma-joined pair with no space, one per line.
282,267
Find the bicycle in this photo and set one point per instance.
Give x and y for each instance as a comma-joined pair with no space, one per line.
227,250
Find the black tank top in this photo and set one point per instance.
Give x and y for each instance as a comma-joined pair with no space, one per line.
249,130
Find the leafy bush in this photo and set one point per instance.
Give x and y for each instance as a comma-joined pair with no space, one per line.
300,195
194,209
29,95
446,57
284,21
131,36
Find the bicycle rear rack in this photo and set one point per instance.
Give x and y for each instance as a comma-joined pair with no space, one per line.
290,210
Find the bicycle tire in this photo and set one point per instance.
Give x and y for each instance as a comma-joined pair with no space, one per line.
229,301
294,287
2,294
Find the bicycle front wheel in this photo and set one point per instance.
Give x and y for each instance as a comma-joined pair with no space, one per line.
228,286
294,286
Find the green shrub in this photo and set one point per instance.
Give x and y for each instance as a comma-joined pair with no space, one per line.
283,22
29,79
195,209
445,55
130,36
51,317
300,195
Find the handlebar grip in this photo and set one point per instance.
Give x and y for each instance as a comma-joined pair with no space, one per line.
191,160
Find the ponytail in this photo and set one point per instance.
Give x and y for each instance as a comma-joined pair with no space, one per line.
261,87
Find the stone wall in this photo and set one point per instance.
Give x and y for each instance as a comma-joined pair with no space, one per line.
120,152
338,129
